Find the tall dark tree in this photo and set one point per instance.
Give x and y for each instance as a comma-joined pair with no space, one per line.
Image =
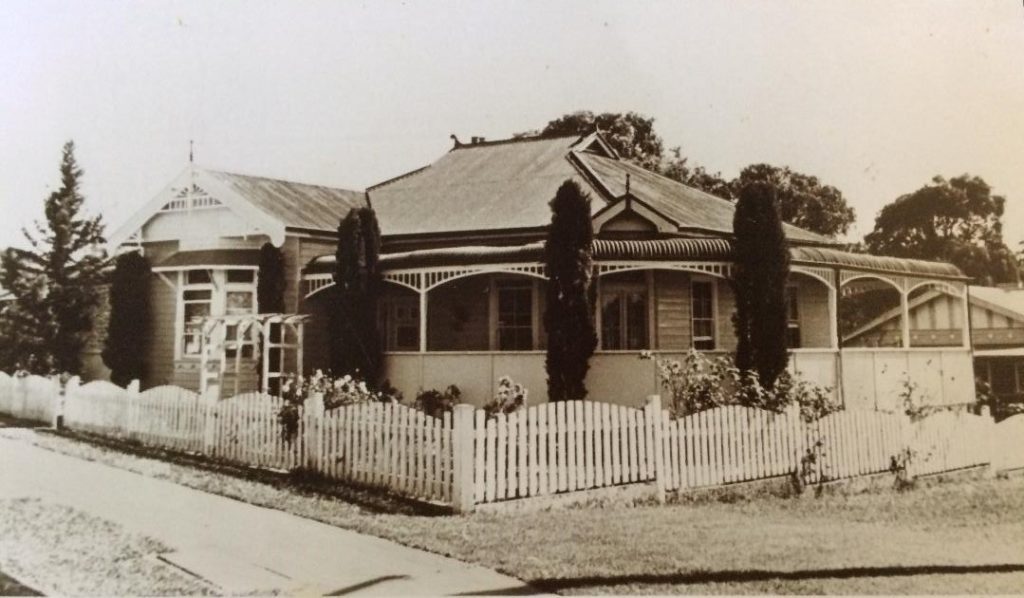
569,317
271,281
56,282
803,200
356,347
762,268
128,333
958,221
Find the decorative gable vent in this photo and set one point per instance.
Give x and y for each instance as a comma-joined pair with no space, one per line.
193,198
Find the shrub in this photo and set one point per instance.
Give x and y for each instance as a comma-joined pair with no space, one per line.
511,397
124,350
334,392
699,382
436,403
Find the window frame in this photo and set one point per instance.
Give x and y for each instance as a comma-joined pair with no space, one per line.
712,284
621,290
529,288
219,288
793,316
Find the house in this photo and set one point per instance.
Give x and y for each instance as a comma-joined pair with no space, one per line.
997,332
201,235
462,253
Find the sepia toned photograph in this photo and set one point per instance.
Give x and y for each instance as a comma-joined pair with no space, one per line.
502,298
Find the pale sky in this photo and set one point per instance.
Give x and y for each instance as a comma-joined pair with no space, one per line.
872,97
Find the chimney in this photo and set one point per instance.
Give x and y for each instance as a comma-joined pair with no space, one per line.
475,140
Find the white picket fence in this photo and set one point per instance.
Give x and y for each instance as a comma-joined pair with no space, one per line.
466,458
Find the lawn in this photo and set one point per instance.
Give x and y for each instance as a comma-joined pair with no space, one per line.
949,538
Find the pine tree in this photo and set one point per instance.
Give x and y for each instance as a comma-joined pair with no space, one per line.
569,318
762,268
55,283
271,281
128,328
356,347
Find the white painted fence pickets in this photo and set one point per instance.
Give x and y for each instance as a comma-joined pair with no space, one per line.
466,458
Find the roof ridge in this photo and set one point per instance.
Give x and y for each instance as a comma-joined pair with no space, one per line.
397,178
522,139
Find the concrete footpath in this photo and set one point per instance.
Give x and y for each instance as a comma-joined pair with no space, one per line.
239,547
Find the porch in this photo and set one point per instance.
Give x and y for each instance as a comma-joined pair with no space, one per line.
470,315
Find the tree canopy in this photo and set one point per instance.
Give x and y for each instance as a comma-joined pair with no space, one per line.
56,282
804,201
128,329
957,220
355,340
631,134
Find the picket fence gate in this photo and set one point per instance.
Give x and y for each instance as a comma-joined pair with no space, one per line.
466,458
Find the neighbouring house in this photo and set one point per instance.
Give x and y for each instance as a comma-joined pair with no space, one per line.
201,235
997,333
463,243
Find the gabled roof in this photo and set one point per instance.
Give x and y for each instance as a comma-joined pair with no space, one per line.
1008,302
267,205
507,185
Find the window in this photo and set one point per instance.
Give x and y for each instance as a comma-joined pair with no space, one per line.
401,324
624,316
515,315
792,317
214,293
702,301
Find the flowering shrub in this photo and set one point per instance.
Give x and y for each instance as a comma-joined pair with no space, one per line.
334,392
435,403
699,382
511,397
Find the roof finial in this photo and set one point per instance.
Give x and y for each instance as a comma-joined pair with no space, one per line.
627,183
456,140
190,152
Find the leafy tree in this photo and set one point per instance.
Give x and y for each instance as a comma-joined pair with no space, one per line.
803,200
568,318
957,220
55,283
631,134
356,347
678,168
762,267
128,328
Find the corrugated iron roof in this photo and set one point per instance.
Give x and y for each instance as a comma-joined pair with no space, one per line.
1011,300
690,208
210,257
485,186
650,249
507,184
876,263
295,204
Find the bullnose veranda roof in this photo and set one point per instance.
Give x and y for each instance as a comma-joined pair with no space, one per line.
648,250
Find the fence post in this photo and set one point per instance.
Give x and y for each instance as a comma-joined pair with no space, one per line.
132,417
462,458
210,398
70,394
654,414
20,396
313,411
989,442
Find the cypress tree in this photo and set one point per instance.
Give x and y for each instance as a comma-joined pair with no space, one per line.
356,347
55,283
762,268
569,317
128,326
270,283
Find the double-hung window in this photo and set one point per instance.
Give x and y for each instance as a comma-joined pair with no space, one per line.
214,293
624,323
792,317
401,323
515,315
702,314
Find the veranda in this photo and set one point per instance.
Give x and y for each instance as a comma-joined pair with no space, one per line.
469,315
